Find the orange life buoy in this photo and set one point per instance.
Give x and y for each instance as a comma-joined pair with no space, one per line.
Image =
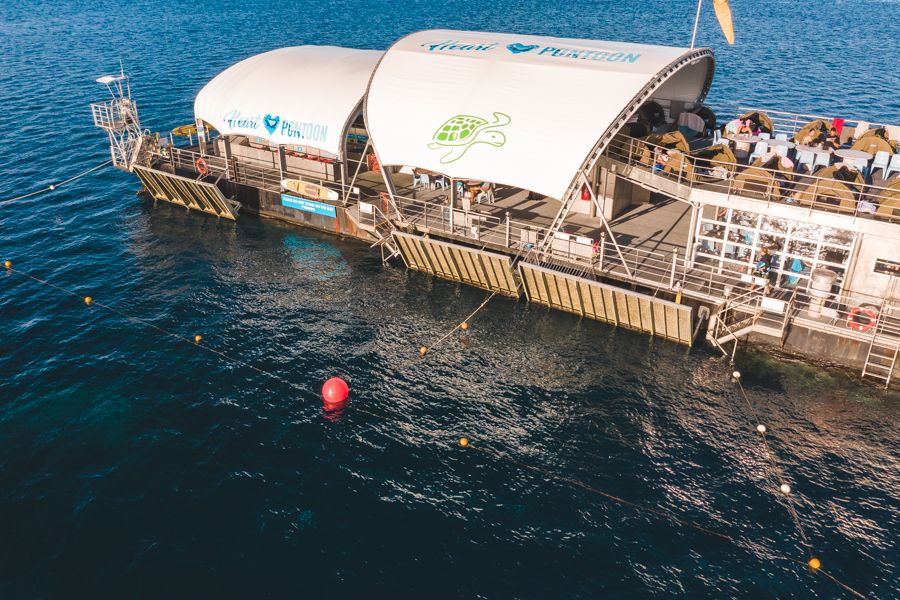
861,319
201,165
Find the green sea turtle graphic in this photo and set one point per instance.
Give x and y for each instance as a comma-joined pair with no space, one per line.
462,132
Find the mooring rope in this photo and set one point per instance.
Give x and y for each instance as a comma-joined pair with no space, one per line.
665,514
56,186
776,467
194,342
465,441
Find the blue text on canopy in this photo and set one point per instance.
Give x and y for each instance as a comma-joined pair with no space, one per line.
310,206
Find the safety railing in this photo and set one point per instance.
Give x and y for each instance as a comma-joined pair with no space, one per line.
790,123
668,271
240,170
850,198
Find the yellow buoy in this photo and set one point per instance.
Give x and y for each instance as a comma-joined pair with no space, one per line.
198,339
8,264
463,442
88,300
423,350
814,563
464,326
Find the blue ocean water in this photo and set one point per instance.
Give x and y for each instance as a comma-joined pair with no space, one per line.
135,465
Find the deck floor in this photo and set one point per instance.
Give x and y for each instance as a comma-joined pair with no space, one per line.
658,226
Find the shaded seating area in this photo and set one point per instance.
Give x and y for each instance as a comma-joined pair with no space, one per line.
658,146
890,201
812,133
874,141
714,163
756,182
839,186
759,120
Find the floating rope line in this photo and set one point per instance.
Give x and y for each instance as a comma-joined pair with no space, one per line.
55,186
813,563
195,341
464,325
776,467
664,514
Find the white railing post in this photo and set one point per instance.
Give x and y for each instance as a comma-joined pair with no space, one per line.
674,264
507,229
602,248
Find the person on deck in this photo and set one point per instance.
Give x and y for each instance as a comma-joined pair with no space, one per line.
833,141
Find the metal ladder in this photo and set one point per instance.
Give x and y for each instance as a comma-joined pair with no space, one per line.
882,355
384,231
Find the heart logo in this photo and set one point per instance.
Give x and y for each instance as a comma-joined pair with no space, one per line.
270,123
518,48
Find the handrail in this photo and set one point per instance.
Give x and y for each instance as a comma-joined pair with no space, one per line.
782,187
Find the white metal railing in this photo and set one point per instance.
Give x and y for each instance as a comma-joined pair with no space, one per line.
774,186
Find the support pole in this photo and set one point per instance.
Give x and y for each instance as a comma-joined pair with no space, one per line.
362,159
507,229
612,236
696,23
345,189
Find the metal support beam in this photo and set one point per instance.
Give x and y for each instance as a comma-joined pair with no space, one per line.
606,226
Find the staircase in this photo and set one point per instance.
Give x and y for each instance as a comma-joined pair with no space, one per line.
384,230
882,355
747,313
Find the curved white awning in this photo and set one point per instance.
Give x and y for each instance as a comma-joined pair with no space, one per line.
519,110
302,95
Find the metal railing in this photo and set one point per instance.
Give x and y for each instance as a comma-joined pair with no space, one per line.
771,186
790,123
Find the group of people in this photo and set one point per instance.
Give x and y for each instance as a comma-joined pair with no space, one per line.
831,142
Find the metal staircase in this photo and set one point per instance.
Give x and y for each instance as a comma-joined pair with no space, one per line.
384,231
882,355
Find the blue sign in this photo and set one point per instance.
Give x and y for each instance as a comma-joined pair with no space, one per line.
545,51
310,206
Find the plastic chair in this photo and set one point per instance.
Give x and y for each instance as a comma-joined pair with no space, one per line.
894,167
882,159
441,182
805,157
762,148
822,160
781,136
781,150
765,136
425,180
717,136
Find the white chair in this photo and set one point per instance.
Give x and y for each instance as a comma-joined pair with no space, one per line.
861,128
894,167
425,181
717,136
762,148
765,136
805,157
441,182
781,136
781,150
822,160
882,159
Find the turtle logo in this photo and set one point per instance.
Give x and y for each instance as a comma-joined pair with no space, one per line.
461,132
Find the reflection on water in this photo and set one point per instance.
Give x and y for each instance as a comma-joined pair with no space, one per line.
127,454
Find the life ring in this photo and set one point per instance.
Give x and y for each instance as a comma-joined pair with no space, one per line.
861,319
201,165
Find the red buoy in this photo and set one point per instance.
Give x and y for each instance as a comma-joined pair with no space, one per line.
335,391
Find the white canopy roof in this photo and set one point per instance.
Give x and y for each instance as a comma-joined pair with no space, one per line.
519,110
303,95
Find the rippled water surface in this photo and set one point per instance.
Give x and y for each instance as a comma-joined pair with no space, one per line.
133,464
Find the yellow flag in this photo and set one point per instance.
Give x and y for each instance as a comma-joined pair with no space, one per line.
723,13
